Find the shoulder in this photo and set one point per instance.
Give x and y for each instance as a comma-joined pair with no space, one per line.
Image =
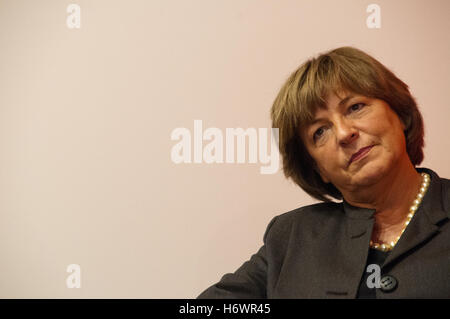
446,183
306,217
444,186
446,193
312,212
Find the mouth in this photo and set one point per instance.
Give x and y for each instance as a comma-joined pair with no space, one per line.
360,154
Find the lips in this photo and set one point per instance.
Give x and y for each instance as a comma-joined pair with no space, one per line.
360,154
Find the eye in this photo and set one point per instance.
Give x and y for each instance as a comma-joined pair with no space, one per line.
356,107
318,133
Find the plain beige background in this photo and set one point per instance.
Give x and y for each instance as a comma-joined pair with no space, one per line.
86,115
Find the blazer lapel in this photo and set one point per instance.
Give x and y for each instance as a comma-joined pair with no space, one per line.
418,232
355,243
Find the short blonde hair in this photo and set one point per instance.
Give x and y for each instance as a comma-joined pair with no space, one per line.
342,69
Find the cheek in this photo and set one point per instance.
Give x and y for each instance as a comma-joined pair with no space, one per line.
386,128
394,133
327,161
375,126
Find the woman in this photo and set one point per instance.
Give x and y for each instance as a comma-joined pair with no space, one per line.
350,130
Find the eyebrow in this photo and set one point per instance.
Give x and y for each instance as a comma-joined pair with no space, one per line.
341,103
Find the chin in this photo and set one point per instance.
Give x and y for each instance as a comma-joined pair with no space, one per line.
370,174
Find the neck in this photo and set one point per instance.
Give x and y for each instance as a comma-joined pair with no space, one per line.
391,197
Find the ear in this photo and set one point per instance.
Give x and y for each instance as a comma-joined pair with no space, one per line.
405,122
403,125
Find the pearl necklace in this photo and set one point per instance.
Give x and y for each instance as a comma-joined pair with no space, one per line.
412,210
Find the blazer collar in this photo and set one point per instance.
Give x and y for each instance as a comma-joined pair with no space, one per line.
358,219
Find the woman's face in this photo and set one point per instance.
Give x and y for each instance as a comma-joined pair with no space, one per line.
355,141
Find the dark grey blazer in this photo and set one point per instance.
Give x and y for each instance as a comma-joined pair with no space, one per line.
320,251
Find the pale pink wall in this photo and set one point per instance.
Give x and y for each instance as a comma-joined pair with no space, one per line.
86,175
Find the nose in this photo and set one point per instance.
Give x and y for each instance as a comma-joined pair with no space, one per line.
345,131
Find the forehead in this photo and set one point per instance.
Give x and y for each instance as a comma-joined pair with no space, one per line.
335,99
330,101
